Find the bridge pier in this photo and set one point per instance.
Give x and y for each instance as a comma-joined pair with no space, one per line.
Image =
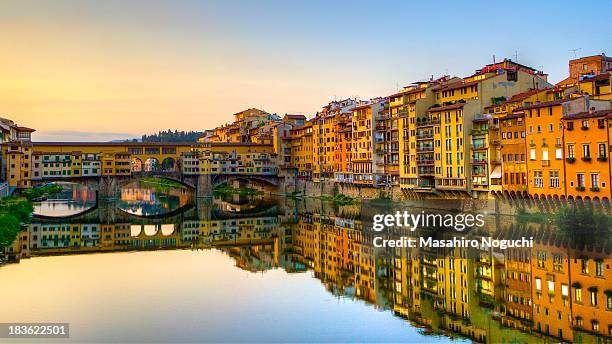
204,186
108,188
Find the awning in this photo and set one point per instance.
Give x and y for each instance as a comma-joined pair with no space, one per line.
496,174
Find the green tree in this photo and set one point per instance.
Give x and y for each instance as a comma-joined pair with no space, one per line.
9,227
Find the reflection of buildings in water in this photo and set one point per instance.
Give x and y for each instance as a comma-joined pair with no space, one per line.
465,291
82,193
147,201
526,295
138,194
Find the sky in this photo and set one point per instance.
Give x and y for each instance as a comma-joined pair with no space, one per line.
104,70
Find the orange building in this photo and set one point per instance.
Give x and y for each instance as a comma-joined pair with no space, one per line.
513,153
550,291
591,295
544,139
518,312
342,164
587,140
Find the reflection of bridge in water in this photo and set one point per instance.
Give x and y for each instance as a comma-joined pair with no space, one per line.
336,245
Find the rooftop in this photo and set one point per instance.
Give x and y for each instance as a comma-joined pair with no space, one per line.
447,107
543,104
589,114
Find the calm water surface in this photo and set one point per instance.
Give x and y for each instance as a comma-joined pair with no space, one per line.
158,265
187,296
74,199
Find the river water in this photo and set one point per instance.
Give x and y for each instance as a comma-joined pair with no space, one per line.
159,265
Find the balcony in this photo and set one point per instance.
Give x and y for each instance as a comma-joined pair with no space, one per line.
426,123
425,184
424,136
482,161
425,162
476,132
545,163
479,147
426,172
425,149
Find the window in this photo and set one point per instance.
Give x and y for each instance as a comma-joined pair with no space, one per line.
564,290
584,265
532,154
593,296
599,268
586,151
571,151
578,294
554,179
559,154
550,128
545,154
580,178
602,150
538,284
538,181
601,123
570,125
585,124
595,180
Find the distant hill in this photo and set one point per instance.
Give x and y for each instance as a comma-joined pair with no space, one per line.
173,136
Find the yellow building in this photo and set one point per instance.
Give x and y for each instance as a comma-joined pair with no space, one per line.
407,103
302,149
363,159
17,163
596,86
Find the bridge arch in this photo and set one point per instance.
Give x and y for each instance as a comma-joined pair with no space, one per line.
137,164
151,165
168,164
270,180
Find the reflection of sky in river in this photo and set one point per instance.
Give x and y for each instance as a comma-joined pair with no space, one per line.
188,296
144,201
74,199
60,208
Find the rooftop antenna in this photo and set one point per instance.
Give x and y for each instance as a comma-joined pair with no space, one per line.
575,50
516,56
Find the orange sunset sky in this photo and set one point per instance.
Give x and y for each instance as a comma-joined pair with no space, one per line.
103,70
